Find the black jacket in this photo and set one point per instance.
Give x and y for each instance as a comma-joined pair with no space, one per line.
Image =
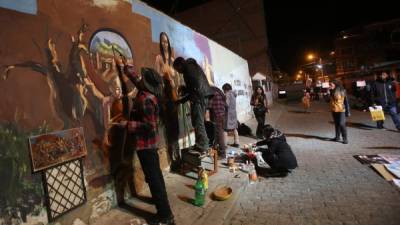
279,155
197,85
383,92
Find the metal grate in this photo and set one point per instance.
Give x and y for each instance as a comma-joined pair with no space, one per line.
64,188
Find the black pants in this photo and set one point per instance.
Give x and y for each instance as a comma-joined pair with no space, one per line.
171,122
260,124
339,120
151,168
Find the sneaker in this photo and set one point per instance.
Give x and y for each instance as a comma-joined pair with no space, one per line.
345,142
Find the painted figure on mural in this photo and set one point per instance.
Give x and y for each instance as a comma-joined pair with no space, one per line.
198,91
171,111
208,70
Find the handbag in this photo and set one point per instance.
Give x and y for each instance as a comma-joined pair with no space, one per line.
377,113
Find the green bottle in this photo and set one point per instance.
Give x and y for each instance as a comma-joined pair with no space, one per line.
200,192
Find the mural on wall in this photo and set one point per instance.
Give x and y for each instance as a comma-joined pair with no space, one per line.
219,64
186,42
75,58
57,147
103,46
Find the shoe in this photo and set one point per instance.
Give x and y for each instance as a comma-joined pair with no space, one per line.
167,221
234,145
345,142
197,152
335,139
276,174
175,167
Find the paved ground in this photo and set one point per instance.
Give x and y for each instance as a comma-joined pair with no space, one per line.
330,186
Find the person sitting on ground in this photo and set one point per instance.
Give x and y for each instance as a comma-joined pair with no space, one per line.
278,154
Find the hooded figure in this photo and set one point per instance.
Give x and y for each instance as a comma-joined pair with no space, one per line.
278,155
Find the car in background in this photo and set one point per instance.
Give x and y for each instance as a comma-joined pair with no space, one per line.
282,93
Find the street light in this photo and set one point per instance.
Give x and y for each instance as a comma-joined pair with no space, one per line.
310,56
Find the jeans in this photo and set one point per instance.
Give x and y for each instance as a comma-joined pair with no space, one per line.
198,109
339,120
219,133
260,124
392,110
150,162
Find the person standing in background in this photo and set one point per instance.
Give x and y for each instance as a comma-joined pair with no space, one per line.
384,94
231,116
259,103
340,110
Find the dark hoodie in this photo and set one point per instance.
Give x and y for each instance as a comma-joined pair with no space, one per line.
383,92
279,155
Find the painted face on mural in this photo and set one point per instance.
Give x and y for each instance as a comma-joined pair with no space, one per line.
164,43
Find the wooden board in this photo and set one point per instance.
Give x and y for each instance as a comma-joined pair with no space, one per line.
380,168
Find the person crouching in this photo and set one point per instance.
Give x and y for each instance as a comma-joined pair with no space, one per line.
278,155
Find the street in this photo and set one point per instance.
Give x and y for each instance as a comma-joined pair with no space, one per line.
330,186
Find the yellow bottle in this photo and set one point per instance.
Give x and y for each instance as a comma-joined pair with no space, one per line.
204,177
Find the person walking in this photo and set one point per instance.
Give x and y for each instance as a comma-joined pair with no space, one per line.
384,94
259,103
340,110
231,115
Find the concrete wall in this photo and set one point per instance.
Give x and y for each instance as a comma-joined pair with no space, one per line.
238,25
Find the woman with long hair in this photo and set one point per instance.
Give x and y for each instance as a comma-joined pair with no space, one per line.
170,110
260,108
340,110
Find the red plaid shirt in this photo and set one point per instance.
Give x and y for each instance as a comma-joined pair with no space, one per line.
143,125
217,104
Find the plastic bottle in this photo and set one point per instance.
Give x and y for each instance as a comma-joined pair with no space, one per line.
252,173
199,192
204,177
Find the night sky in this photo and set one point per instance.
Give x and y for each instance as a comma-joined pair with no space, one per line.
294,29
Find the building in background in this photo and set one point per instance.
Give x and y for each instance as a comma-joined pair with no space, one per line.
362,51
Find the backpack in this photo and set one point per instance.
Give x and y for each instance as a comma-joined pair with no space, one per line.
244,130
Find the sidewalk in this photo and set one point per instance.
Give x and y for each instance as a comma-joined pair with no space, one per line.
180,193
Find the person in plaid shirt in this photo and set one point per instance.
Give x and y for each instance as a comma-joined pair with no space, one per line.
217,108
143,126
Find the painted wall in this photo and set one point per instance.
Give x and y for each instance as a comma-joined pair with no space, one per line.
57,72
